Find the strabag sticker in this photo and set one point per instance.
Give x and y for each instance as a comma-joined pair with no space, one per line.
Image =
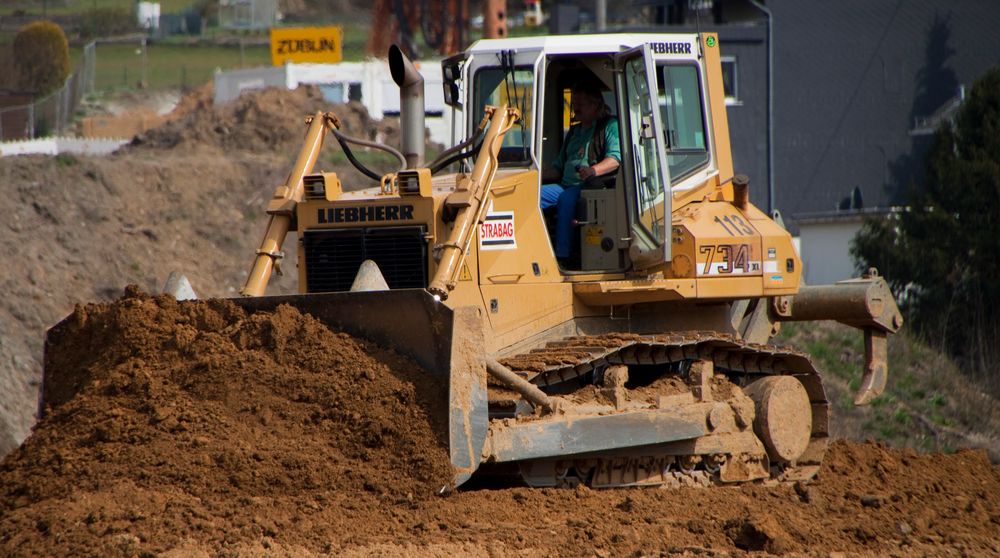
496,232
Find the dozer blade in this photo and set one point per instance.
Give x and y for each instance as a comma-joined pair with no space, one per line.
447,343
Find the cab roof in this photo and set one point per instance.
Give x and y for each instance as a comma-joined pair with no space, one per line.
577,44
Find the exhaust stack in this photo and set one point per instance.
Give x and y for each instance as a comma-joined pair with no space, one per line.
411,106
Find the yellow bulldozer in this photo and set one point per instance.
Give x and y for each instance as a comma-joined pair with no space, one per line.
643,359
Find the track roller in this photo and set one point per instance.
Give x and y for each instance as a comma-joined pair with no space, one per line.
783,420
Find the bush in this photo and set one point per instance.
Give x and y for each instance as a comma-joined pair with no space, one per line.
41,54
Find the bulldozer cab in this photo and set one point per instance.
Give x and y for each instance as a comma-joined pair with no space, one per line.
656,86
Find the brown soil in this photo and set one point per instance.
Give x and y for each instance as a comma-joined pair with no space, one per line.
199,430
193,414
84,227
259,122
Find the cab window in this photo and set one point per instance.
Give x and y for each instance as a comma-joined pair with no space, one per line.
648,170
681,111
491,88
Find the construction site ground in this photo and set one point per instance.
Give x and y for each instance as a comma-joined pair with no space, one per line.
192,429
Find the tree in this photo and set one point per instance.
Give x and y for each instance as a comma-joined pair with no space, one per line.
41,52
944,249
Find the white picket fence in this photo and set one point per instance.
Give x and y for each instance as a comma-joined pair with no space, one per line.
57,145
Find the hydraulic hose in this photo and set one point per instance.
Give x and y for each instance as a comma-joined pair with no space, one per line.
438,165
447,152
344,139
357,164
446,158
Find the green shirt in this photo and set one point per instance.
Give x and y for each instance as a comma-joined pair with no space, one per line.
577,144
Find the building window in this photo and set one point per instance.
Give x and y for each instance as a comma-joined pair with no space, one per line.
354,92
729,80
332,92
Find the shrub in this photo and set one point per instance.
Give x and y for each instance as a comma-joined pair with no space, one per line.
41,54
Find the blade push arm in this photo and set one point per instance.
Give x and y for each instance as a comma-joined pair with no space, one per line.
468,201
282,205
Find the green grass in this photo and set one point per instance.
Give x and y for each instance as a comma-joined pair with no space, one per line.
355,38
65,160
928,403
170,65
173,63
65,7
833,349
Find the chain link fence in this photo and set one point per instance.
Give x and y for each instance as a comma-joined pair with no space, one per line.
247,14
53,113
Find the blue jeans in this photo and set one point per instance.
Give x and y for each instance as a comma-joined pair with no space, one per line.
564,199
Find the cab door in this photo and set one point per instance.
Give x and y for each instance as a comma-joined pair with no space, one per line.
647,174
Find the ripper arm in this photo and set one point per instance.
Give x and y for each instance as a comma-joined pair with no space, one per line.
866,303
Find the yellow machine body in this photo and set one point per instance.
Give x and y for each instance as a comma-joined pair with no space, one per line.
471,287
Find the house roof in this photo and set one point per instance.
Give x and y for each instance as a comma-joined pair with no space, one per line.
840,216
572,44
851,79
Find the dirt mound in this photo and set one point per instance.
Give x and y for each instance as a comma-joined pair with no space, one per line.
88,226
199,98
194,429
184,415
256,122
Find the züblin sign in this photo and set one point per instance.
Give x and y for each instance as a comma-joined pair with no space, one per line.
306,44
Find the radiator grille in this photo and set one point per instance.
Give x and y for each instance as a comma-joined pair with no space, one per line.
334,256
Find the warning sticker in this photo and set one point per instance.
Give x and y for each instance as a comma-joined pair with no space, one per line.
594,235
465,275
497,231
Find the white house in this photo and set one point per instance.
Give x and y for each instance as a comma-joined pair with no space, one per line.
825,243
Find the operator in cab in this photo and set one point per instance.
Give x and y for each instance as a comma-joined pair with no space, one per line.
590,151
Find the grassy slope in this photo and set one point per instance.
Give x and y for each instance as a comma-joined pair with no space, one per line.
66,7
928,404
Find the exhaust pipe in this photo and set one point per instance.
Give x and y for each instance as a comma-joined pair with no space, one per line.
411,106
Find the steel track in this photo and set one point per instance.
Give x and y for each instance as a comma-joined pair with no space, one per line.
572,358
